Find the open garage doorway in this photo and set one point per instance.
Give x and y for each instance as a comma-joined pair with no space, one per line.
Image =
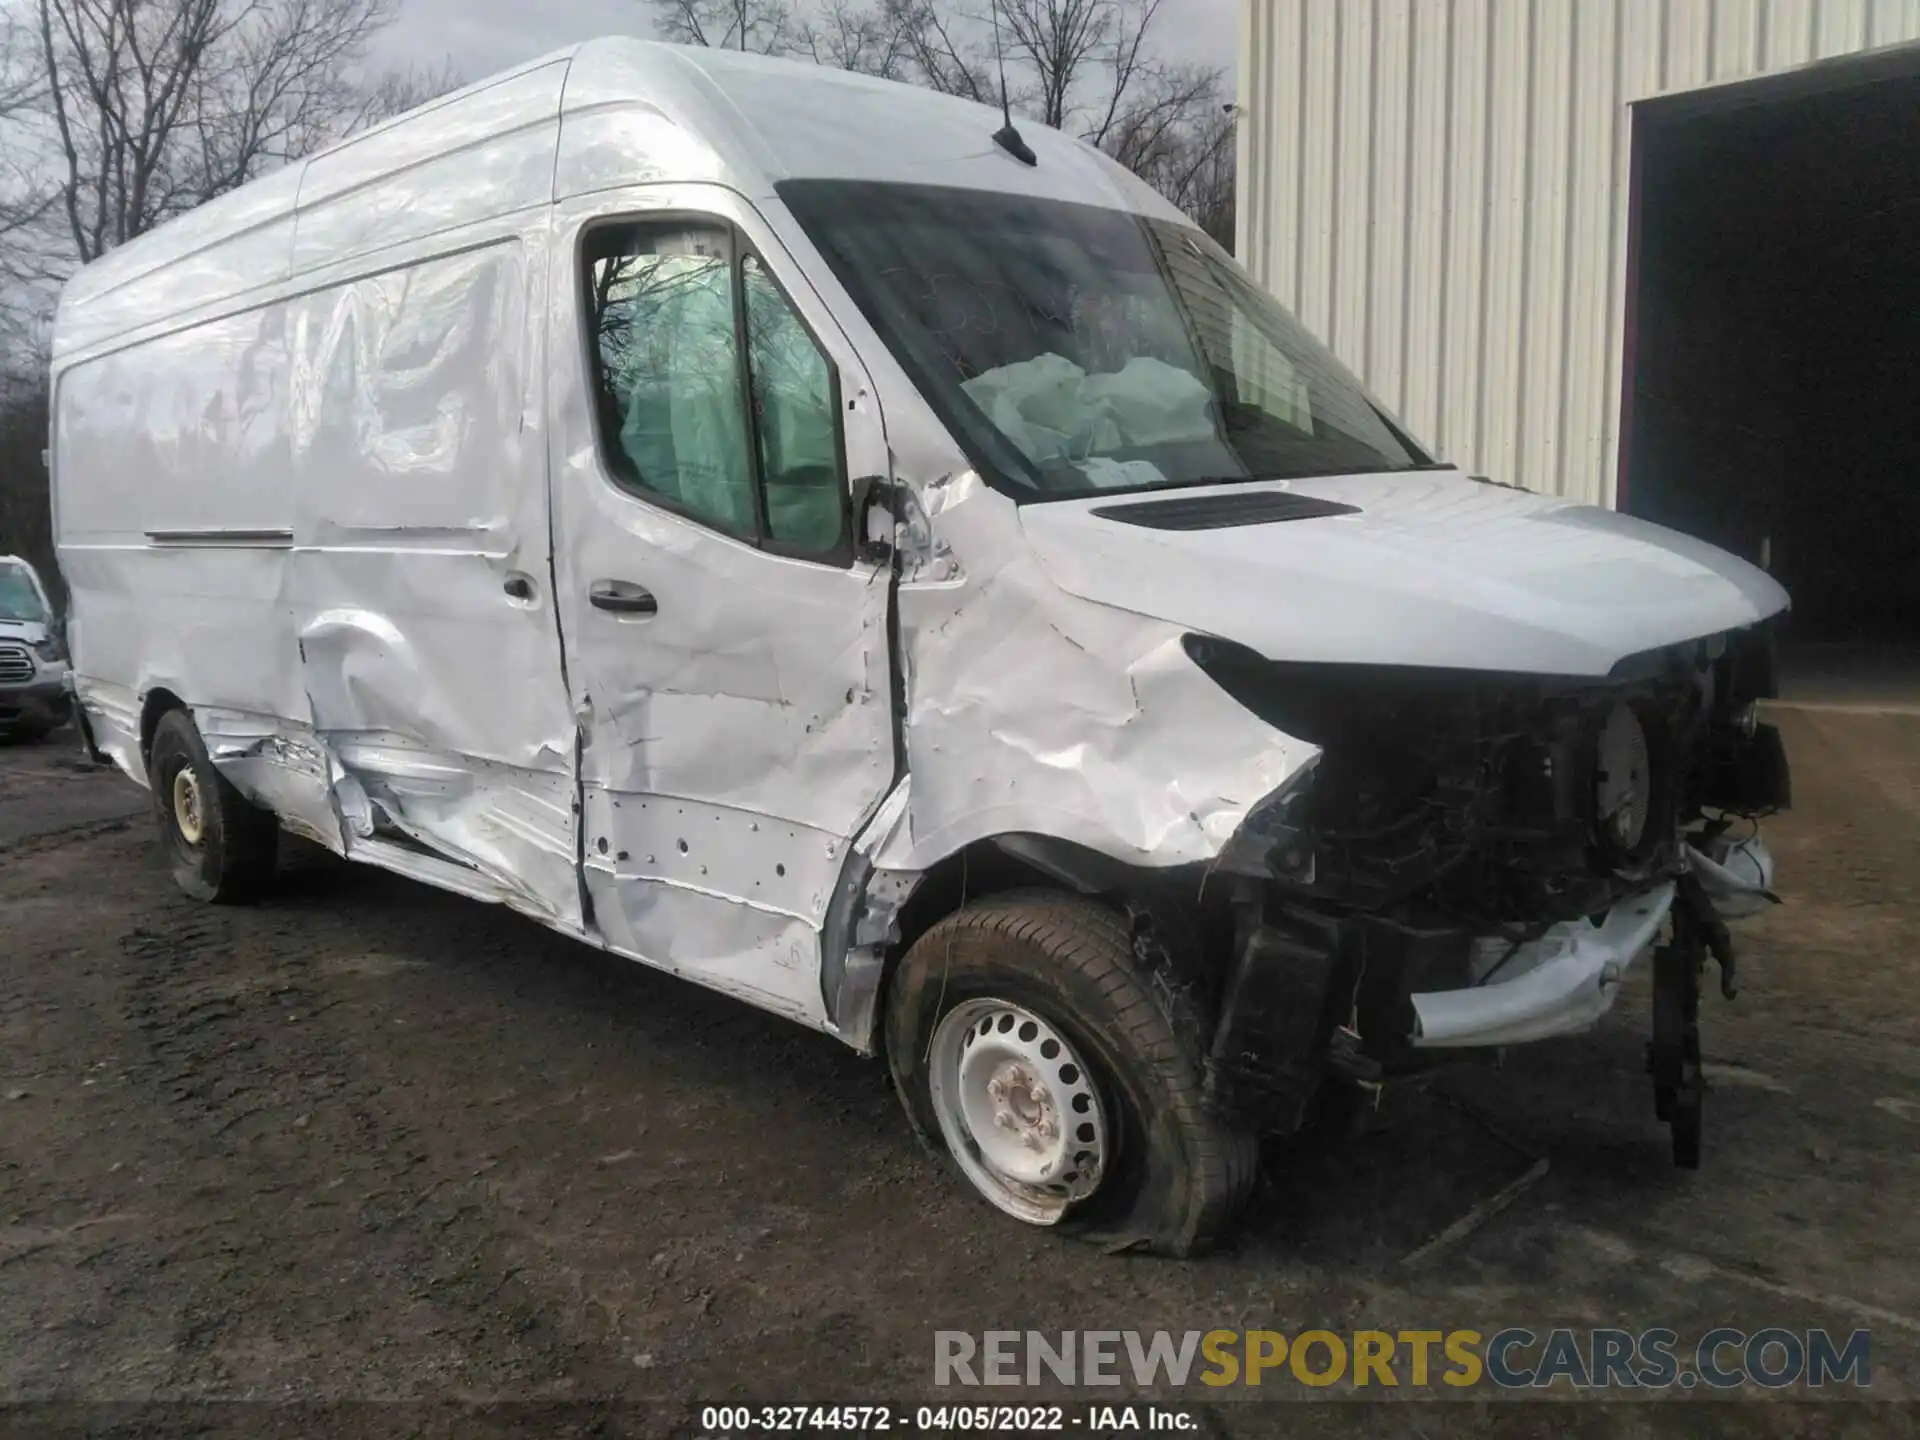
1772,368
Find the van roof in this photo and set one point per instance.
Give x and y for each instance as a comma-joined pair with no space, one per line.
601,115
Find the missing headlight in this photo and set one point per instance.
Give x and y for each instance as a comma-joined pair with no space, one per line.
1623,779
1632,783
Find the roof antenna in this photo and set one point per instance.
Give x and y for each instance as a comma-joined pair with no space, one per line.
1006,137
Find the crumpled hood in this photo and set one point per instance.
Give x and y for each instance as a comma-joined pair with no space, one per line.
1434,569
32,632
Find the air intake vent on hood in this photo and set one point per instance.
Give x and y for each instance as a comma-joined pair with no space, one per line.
1221,512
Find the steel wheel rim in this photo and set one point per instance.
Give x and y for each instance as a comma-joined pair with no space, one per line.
188,817
1017,1108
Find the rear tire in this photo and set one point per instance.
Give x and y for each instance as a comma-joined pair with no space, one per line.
223,849
1051,1004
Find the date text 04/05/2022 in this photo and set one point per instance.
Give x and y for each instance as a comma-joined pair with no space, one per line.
727,1420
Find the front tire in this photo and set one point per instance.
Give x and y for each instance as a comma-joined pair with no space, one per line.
1032,1049
223,849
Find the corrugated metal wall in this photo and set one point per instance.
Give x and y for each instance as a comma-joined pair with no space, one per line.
1439,189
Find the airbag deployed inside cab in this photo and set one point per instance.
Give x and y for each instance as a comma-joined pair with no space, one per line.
1054,410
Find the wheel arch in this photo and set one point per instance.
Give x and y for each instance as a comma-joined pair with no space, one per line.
159,701
887,911
999,863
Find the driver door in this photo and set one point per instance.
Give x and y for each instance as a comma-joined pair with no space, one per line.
727,656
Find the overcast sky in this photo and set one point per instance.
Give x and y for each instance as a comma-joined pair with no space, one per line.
481,36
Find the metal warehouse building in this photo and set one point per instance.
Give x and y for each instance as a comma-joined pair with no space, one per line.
1657,253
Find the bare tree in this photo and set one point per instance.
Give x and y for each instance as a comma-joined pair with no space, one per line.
158,105
868,41
1083,66
765,27
1176,133
20,81
946,50
397,91
1204,188
1060,41
24,198
116,115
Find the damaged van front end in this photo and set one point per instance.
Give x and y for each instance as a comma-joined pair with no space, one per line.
1476,859
1443,813
1378,763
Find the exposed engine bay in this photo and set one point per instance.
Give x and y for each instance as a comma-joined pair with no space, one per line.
1461,830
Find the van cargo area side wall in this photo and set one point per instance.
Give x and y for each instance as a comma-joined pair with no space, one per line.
344,618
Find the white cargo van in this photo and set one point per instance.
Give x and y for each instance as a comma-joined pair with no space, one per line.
755,520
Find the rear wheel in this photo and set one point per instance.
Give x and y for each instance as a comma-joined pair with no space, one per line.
1033,1050
223,848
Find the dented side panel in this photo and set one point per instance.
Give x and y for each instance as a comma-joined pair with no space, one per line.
323,526
281,766
736,738
113,717
428,649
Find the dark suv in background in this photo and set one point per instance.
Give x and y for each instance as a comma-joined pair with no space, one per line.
33,655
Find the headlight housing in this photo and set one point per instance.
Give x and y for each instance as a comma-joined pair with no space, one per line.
1631,777
1623,779
50,650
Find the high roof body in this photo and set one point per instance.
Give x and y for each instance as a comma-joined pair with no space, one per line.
603,115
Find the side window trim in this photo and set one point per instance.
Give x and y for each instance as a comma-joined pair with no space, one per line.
737,282
739,247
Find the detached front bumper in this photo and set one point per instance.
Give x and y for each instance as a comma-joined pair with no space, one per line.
1561,983
1565,980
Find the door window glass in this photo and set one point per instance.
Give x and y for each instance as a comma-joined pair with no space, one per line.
748,443
668,372
794,417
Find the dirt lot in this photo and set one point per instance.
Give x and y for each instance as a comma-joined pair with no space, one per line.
369,1142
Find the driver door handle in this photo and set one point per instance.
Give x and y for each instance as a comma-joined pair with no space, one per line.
623,597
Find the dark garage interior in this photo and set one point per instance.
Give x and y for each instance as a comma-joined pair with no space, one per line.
1773,353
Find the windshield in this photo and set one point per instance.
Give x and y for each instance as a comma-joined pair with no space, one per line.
19,596
1076,350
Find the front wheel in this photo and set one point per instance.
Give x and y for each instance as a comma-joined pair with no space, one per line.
1032,1049
223,848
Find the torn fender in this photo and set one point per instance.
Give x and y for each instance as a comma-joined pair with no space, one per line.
1030,710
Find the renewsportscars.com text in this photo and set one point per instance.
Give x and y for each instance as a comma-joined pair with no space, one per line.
1511,1358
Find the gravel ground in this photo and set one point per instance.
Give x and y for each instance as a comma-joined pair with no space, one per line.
368,1142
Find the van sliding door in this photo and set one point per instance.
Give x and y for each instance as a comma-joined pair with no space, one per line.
419,583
